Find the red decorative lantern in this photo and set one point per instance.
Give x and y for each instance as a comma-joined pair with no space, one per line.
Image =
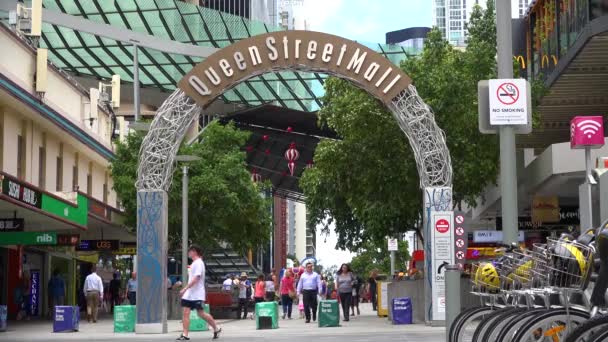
249,148
255,176
289,129
267,151
265,137
291,155
310,164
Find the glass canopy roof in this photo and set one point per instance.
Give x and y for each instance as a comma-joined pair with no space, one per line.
86,54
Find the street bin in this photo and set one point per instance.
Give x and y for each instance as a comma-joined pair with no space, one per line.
267,315
3,313
197,323
329,313
66,318
402,310
124,318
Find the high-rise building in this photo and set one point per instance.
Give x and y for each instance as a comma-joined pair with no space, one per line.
451,17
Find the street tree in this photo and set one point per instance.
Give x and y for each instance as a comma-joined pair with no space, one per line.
225,206
367,183
376,257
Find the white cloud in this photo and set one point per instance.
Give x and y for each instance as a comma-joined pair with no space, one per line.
326,249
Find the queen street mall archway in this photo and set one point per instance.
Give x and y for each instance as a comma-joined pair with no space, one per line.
277,51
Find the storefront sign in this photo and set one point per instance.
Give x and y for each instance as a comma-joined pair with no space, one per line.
545,209
126,251
35,292
68,239
28,238
568,216
492,236
99,209
77,214
98,245
20,192
292,49
12,225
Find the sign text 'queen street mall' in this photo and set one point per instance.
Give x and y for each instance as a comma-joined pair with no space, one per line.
304,50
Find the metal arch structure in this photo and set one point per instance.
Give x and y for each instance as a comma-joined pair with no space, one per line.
414,117
356,63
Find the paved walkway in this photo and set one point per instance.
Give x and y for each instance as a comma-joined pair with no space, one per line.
367,327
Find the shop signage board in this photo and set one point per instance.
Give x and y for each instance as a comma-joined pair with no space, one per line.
68,239
34,292
442,245
77,214
393,245
508,102
28,238
98,245
19,191
545,209
125,251
12,225
492,236
568,215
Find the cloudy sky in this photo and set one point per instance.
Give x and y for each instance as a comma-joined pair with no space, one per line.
366,20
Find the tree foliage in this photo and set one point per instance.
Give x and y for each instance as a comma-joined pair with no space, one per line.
224,204
377,257
367,182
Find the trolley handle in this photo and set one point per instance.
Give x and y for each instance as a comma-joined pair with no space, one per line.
509,247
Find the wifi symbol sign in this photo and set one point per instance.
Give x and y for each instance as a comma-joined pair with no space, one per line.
586,131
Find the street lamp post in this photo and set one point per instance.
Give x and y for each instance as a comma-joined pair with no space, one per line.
185,159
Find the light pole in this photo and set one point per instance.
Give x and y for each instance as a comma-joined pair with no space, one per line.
185,159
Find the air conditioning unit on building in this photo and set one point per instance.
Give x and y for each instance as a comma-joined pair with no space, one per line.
25,16
111,97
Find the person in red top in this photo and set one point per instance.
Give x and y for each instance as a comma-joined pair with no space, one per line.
260,289
288,291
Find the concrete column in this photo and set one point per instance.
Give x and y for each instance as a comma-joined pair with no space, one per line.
152,226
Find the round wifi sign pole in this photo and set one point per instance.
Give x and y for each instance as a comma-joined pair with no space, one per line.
586,132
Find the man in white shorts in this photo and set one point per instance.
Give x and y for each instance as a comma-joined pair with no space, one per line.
193,295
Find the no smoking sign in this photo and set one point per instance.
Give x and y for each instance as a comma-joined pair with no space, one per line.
508,102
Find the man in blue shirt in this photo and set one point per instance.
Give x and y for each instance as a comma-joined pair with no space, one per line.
56,290
309,286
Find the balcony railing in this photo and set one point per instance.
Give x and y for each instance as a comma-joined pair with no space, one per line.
553,26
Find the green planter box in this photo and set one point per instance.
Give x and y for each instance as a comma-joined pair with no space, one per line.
197,323
329,313
124,318
266,310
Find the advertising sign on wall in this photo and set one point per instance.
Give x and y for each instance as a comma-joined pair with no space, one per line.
12,225
98,245
18,191
35,292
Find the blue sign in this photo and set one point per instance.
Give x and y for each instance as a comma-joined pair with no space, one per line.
35,292
66,318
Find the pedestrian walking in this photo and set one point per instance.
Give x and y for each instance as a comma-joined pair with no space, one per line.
93,289
194,295
373,289
309,286
244,295
132,289
354,304
288,293
270,288
323,288
114,291
344,282
56,291
260,289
